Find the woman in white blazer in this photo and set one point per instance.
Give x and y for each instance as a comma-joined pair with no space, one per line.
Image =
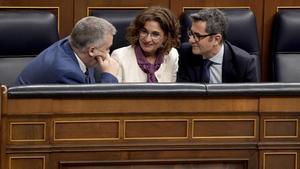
151,56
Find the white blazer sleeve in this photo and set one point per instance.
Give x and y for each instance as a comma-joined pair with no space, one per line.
119,75
175,56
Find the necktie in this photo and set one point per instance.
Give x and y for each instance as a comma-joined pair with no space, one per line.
87,76
205,71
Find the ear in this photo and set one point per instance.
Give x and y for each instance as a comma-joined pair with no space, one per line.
218,38
92,51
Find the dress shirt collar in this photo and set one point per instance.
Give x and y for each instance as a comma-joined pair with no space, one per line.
82,66
218,58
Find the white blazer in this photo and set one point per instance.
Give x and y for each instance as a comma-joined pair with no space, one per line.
131,72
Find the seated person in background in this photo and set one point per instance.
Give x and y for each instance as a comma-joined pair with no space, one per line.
150,57
209,58
72,60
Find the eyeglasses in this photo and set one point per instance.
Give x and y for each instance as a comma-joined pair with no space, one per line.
155,36
197,36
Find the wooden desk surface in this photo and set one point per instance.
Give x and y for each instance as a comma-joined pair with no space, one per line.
211,132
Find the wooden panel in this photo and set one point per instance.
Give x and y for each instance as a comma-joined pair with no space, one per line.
157,164
280,128
280,160
3,92
86,130
162,105
156,129
224,128
27,131
90,10
107,128
81,6
64,10
27,162
59,106
29,106
279,104
255,5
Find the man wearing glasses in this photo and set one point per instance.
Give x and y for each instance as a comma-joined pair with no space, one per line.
209,58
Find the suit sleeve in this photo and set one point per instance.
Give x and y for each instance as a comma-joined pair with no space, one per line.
108,78
115,55
182,74
174,54
252,70
70,78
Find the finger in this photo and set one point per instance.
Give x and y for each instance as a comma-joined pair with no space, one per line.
98,58
104,55
101,61
101,57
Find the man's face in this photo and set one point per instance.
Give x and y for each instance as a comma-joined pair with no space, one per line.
202,42
106,44
101,51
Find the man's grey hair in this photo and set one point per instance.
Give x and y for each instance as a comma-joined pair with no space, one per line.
216,21
90,31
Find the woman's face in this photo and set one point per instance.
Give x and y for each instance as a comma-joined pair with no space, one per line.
151,37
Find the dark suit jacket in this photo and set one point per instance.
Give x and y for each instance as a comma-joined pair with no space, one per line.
238,65
58,65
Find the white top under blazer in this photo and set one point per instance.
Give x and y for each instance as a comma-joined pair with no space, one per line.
131,72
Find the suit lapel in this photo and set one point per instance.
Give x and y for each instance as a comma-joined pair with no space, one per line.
196,61
91,75
228,71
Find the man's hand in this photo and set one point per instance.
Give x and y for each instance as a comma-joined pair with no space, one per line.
107,64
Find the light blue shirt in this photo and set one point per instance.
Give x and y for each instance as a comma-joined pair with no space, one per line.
215,69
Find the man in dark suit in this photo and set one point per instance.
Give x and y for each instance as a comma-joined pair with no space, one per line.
72,59
209,58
